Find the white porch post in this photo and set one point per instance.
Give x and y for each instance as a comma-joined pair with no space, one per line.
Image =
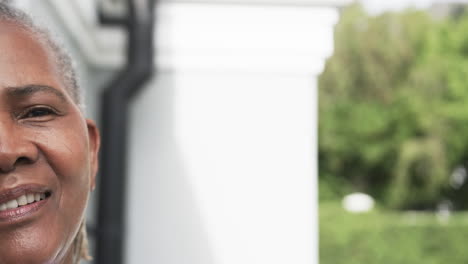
225,141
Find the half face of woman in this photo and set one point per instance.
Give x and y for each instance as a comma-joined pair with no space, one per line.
48,154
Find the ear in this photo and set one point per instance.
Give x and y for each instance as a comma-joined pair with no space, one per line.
94,144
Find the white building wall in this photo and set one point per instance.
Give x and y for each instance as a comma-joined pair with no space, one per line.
223,151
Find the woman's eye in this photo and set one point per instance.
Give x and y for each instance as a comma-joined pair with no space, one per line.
38,112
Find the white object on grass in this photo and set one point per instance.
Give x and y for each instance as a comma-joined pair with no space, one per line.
358,203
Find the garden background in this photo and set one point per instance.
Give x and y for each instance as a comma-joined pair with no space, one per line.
393,123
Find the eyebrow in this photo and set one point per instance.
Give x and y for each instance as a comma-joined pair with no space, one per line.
28,90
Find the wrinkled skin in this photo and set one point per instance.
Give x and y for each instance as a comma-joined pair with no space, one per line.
45,141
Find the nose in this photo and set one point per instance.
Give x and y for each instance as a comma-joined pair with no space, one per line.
15,148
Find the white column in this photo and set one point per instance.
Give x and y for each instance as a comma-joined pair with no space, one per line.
223,147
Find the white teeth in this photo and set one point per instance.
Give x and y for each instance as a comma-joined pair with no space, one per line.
30,197
12,204
22,200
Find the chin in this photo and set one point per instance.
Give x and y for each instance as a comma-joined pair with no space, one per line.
41,237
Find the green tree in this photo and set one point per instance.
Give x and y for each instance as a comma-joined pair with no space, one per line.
393,105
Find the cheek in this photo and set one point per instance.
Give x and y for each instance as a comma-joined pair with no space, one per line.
67,153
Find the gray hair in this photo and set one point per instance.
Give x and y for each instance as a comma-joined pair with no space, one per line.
62,58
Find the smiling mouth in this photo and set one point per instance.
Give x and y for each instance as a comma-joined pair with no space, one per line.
25,199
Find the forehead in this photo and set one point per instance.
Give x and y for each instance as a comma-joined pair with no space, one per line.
24,59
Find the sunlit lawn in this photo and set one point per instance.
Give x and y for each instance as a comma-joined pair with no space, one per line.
384,237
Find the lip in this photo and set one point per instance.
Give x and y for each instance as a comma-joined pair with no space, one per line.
14,215
19,213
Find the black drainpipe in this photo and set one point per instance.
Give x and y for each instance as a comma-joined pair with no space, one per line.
110,231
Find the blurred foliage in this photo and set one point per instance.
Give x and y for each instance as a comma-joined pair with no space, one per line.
388,237
393,107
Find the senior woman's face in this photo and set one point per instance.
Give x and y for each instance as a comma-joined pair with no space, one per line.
48,154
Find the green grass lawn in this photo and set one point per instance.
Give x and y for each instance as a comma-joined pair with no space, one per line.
383,237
